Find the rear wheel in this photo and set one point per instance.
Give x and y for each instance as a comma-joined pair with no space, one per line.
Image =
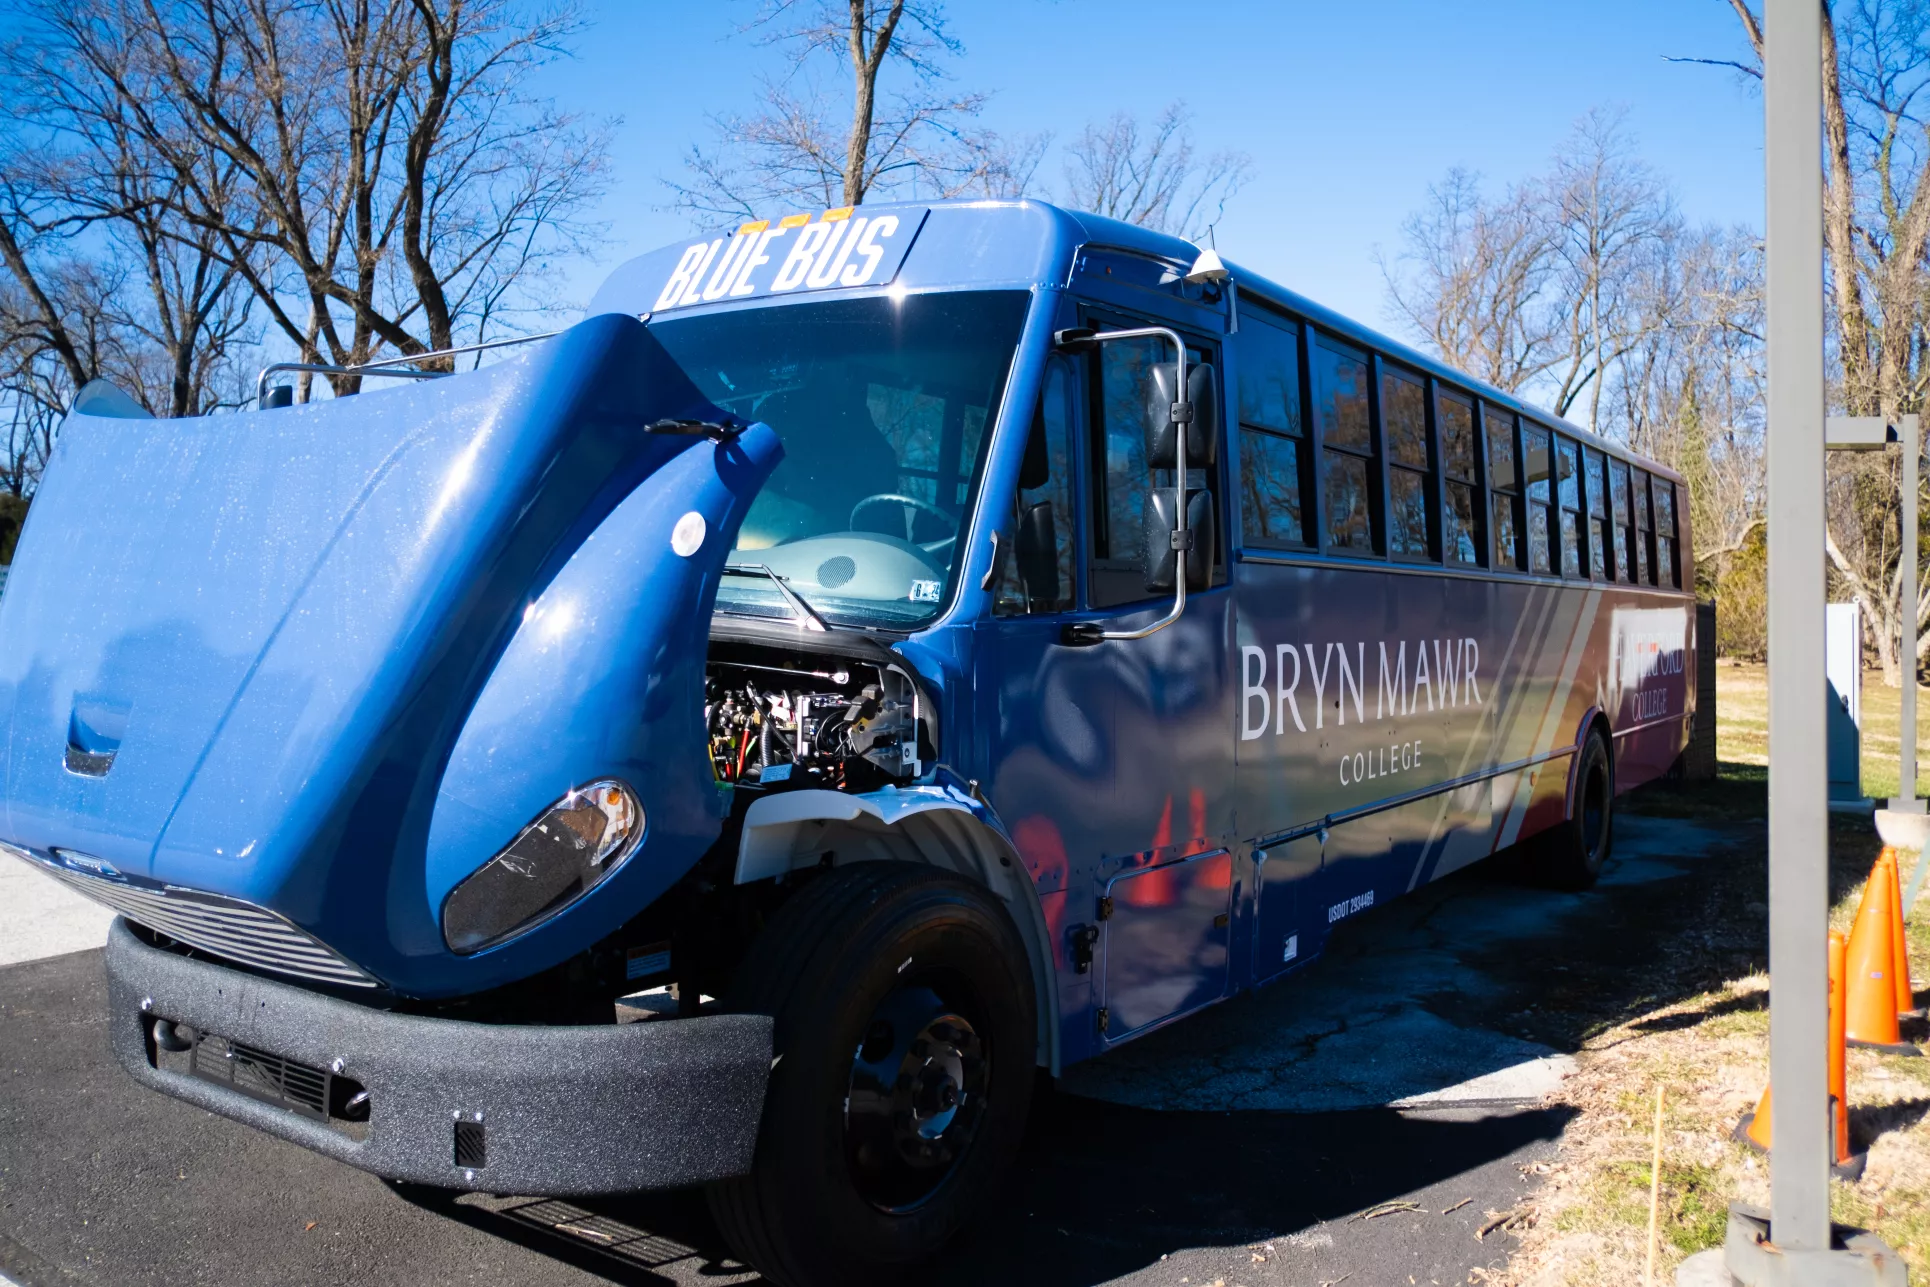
1573,851
904,1046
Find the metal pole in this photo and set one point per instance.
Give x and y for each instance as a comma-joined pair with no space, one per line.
1798,767
1906,793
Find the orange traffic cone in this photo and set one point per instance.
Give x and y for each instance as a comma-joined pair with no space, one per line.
1753,1129
1906,998
1839,1096
1872,1011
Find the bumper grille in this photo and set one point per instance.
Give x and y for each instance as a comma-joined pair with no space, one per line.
225,927
262,1075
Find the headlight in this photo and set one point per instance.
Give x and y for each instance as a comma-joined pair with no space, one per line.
575,846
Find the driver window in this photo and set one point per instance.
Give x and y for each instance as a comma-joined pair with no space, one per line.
1037,575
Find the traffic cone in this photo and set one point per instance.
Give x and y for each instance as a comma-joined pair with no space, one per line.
1906,997
1753,1129
1872,1010
1839,1097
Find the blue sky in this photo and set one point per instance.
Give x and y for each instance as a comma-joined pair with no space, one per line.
1348,110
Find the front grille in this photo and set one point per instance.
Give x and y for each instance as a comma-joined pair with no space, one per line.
221,926
262,1075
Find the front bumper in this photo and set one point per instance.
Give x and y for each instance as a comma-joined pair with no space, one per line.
563,1110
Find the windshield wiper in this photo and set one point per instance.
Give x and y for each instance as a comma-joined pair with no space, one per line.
807,616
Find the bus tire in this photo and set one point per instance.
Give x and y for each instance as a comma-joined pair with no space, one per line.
1575,849
904,1049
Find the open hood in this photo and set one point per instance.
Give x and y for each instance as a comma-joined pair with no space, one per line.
239,653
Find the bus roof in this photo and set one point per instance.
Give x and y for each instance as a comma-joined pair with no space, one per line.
973,244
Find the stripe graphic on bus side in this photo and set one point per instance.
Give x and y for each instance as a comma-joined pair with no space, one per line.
1555,711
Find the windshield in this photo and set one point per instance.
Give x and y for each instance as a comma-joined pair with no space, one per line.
883,406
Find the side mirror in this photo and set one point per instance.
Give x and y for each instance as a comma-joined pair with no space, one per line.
1161,521
1202,435
1038,552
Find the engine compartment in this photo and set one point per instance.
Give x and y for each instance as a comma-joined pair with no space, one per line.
778,720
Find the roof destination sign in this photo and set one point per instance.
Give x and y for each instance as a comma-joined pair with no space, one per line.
841,247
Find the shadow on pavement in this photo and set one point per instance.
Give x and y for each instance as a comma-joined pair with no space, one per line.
1100,1192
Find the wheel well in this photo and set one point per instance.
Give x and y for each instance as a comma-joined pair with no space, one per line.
1595,722
946,835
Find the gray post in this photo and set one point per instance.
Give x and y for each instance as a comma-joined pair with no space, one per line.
1798,769
1906,794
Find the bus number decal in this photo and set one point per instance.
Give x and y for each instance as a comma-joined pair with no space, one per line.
1348,906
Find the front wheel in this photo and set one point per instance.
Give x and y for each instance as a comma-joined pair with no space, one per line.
1576,848
904,1041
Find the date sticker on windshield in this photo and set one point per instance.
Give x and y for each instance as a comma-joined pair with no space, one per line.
924,592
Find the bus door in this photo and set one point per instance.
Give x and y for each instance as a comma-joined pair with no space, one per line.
1111,761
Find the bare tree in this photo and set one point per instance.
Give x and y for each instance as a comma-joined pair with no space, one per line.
1610,221
1475,278
1151,175
1876,240
1582,289
372,169
805,145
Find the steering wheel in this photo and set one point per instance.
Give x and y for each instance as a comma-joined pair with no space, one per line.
913,507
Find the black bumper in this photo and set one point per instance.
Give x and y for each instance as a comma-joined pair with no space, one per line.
566,1110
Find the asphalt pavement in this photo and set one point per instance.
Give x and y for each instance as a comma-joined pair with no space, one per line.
1359,1123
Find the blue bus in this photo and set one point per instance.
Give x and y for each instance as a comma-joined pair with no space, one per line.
878,654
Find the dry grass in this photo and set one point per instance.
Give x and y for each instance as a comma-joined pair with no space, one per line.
1709,1052
1742,725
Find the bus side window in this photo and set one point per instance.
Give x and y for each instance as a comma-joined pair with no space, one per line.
1597,481
1665,567
1506,484
1535,471
1349,475
1568,495
1618,502
1410,484
1644,568
1461,522
1038,575
1273,437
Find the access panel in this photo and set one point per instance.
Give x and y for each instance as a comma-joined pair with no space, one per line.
1166,941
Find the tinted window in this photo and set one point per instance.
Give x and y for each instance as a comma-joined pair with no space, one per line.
1501,448
1537,475
1349,512
1410,484
1340,397
1568,488
1123,367
1568,473
1403,411
1597,484
1347,468
1624,543
1456,420
1270,507
1460,522
1644,571
1269,361
1273,452
1504,479
1665,545
1037,575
